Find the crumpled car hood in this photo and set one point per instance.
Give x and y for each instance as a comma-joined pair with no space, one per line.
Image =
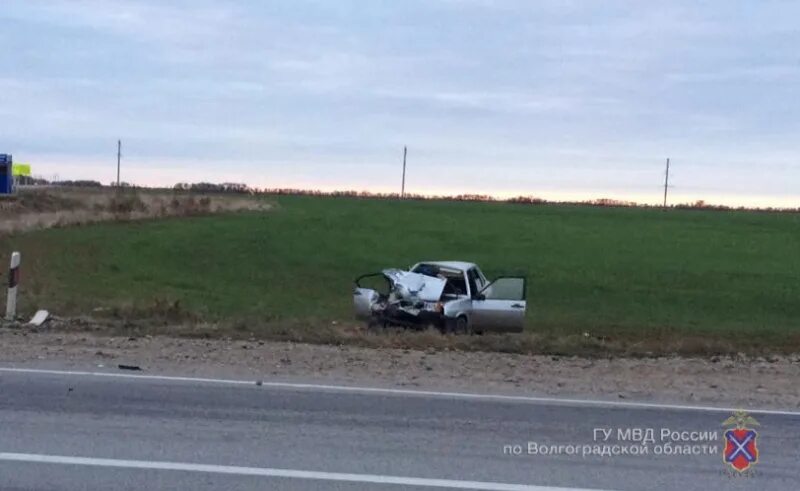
414,285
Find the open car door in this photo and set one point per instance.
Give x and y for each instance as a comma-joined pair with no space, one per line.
368,290
500,307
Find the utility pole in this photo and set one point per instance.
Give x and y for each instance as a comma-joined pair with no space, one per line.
119,157
666,183
403,185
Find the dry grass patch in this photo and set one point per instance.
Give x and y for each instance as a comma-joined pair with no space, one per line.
169,318
44,208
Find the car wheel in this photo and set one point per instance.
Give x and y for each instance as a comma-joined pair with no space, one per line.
462,325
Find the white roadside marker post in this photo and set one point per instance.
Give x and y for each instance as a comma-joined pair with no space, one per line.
13,281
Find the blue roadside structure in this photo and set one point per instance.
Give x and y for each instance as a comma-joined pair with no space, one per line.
6,175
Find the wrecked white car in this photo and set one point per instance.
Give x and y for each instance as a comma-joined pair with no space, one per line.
453,296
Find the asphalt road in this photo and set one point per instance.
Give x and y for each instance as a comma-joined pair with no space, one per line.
82,432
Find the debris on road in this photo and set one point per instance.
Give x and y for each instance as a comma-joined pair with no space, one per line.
129,367
733,381
39,318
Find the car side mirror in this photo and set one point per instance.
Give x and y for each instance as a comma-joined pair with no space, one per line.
480,296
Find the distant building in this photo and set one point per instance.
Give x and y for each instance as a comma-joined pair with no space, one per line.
6,174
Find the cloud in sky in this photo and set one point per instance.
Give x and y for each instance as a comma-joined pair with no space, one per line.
552,98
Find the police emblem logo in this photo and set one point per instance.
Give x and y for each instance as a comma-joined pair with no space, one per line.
741,446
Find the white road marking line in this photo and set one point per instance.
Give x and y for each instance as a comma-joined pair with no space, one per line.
409,392
283,473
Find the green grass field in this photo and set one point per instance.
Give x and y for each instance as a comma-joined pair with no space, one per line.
606,271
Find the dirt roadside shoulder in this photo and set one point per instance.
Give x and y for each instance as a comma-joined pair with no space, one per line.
729,381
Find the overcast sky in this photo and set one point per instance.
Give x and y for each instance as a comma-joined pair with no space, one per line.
559,99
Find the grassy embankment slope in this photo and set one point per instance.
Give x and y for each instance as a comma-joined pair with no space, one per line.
645,277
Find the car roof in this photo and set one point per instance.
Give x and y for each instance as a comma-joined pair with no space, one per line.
460,265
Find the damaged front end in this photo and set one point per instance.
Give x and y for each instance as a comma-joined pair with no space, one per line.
402,298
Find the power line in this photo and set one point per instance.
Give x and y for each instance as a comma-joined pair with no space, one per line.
119,158
403,185
666,183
